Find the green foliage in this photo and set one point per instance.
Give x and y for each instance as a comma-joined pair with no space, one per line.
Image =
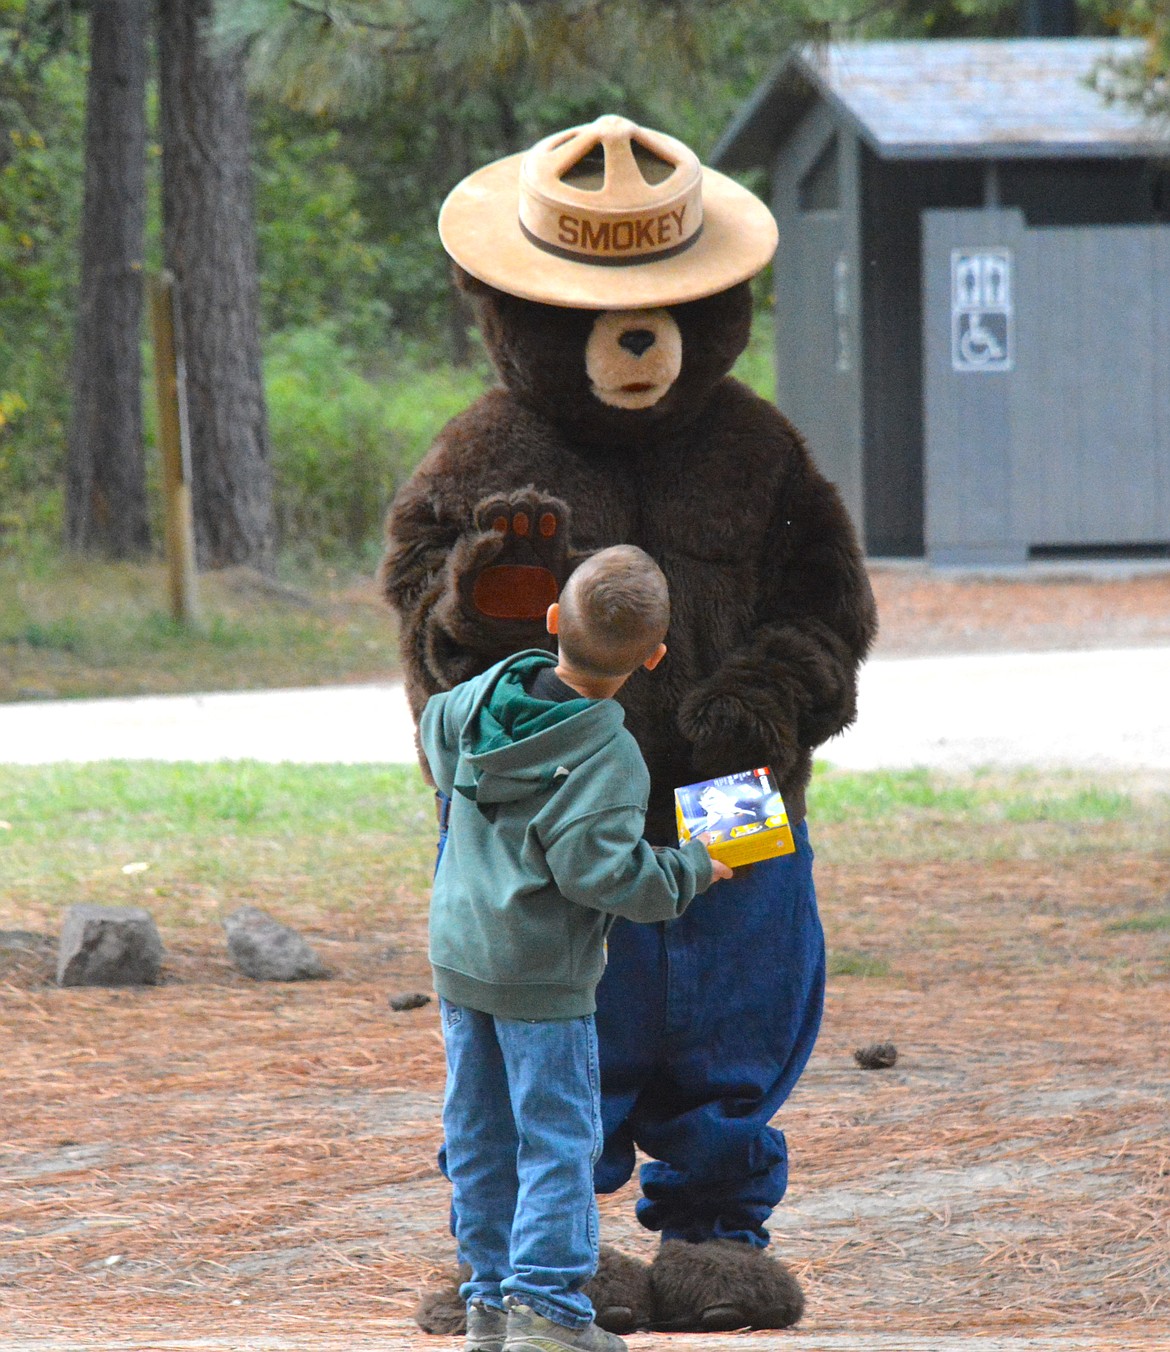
370,111
317,263
42,103
757,364
350,55
343,442
1145,81
384,71
399,163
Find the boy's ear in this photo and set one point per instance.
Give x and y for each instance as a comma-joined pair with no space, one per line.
552,618
653,660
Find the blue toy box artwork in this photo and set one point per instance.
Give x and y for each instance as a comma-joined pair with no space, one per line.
742,816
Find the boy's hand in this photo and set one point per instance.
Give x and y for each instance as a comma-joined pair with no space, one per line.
719,869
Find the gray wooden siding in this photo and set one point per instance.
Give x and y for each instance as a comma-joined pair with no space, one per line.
1071,447
893,199
817,361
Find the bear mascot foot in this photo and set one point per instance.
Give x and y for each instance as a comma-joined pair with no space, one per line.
442,1309
722,1285
620,1292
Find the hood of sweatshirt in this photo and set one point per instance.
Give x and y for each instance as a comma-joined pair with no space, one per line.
515,745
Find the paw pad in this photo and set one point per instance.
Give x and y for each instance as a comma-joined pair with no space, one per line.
519,574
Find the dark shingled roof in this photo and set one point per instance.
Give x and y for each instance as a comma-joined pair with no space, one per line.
985,98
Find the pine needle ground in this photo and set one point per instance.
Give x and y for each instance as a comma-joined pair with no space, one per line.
215,1162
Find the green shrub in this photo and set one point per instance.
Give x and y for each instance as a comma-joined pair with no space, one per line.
757,365
317,264
42,108
342,442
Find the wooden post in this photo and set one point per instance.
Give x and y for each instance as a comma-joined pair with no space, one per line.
174,441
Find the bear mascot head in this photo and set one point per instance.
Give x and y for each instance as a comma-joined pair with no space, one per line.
610,272
653,229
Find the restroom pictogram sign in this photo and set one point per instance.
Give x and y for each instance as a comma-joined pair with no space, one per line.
982,310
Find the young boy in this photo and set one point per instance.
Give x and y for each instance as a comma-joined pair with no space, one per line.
548,800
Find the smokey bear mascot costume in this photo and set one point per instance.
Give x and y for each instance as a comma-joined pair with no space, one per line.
609,271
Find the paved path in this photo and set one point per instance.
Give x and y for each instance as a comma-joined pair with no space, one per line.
1102,710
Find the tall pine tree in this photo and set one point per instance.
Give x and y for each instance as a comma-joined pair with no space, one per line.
105,497
210,246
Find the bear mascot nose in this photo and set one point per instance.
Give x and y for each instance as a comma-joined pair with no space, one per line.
636,341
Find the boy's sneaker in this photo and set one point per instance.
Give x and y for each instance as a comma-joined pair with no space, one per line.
531,1332
486,1327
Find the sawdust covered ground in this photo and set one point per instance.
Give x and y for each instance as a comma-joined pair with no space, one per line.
217,1163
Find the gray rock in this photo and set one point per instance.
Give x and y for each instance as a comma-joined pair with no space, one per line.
108,946
409,1000
266,950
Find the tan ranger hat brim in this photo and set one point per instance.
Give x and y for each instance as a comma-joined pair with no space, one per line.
479,225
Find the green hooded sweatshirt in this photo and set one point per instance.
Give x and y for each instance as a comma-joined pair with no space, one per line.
544,848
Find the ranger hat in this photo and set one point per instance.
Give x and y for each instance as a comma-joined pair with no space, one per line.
603,216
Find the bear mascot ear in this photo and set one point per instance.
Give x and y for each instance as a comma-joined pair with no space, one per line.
469,286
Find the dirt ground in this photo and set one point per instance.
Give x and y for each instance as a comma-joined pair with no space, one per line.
1051,606
216,1163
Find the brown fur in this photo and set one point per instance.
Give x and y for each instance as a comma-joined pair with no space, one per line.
442,1309
620,1292
722,1285
772,611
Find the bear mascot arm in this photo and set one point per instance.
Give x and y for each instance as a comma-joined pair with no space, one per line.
792,683
445,533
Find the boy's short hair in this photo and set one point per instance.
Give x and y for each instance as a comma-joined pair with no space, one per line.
614,612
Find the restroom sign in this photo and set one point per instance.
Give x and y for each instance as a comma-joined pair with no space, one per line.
981,310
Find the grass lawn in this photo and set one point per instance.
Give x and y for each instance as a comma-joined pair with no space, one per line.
81,629
320,845
349,849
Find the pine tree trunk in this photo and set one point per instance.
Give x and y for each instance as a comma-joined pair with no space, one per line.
105,486
210,245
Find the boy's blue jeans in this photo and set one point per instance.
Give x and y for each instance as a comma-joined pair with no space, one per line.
522,1120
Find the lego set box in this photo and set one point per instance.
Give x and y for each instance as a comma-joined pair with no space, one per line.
742,816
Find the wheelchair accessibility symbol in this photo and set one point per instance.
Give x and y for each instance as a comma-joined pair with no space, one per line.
982,341
981,310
